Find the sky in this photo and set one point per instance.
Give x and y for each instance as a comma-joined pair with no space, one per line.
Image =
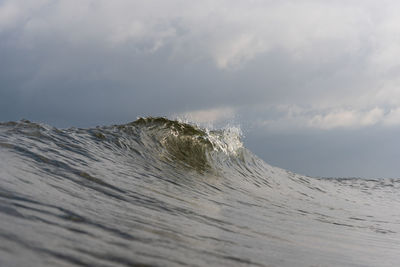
314,85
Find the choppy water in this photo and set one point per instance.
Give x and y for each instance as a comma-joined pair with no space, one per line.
162,193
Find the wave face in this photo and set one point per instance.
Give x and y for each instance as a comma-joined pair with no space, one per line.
157,192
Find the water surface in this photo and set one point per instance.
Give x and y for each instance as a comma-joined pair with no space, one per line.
157,192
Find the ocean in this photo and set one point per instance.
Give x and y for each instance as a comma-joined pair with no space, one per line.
159,192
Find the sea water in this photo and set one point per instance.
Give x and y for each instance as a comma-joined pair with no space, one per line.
158,192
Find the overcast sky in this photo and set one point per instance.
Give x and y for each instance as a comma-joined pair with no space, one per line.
314,85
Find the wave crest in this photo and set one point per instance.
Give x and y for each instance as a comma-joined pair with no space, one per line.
189,144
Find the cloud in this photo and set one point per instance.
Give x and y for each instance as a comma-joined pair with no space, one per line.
230,33
8,14
336,59
301,119
241,49
208,116
393,117
347,118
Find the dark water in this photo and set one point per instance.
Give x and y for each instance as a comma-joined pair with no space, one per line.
162,193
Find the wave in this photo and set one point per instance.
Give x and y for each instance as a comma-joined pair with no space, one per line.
163,192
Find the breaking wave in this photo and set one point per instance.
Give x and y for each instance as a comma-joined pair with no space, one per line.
159,192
